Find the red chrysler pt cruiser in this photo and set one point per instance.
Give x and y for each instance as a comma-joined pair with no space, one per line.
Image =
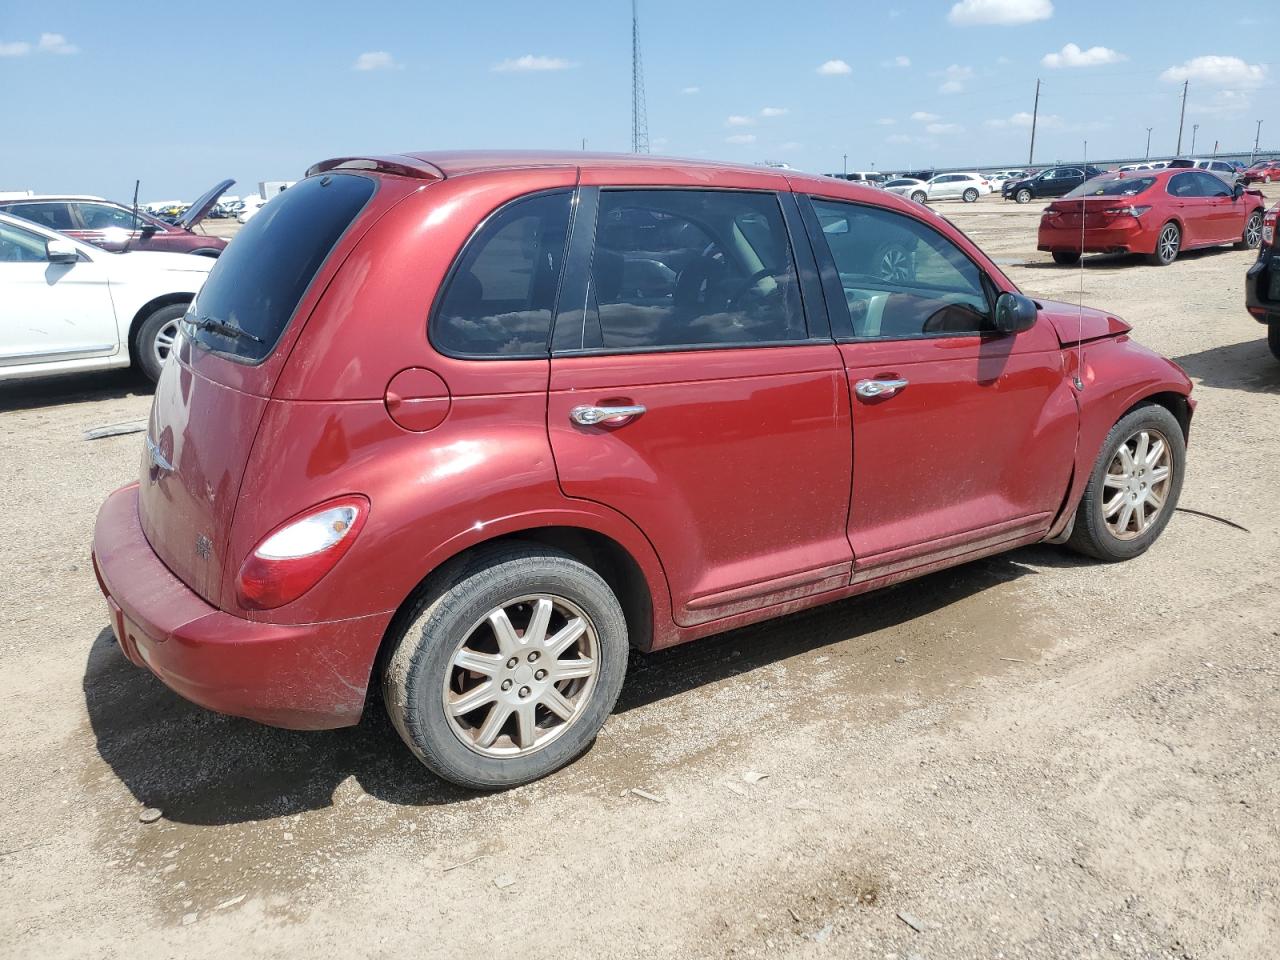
469,426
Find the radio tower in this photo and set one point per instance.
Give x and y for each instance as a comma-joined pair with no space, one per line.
639,116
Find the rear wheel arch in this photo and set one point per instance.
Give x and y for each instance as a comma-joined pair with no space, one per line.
614,563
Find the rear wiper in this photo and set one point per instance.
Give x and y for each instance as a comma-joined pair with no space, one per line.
224,329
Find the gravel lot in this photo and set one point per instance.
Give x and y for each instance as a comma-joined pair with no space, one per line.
1029,756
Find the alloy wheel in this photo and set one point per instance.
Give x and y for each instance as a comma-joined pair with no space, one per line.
165,337
1167,245
895,264
522,676
1136,484
1023,196
1253,230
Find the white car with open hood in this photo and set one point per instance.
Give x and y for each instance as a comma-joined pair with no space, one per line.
68,307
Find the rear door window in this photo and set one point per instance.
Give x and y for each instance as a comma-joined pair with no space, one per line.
678,269
500,296
55,216
258,281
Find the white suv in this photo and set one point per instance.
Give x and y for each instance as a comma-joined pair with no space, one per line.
955,186
67,307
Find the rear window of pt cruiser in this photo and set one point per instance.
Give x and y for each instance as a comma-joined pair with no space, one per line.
257,283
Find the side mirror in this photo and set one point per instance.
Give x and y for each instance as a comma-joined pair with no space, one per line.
1014,313
1237,191
148,230
61,251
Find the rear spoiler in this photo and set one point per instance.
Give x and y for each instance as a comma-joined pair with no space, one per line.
395,165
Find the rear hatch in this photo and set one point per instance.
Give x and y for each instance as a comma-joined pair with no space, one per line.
235,339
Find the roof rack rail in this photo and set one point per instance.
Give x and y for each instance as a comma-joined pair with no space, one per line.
397,165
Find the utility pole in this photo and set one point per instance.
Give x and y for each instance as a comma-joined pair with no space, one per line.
1182,116
1147,155
846,165
1194,128
1035,112
584,143
1215,149
1256,137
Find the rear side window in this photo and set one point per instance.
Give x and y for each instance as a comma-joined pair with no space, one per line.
901,278
500,296
257,282
55,216
691,268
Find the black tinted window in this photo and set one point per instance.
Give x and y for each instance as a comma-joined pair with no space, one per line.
674,268
901,278
1185,185
1112,186
499,299
55,216
259,279
1212,185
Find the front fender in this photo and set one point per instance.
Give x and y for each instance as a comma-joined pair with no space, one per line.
1117,374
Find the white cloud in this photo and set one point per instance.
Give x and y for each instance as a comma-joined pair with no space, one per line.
530,63
1219,71
741,138
970,13
375,60
886,122
956,77
925,117
835,68
1023,119
774,112
944,128
689,91
56,43
48,43
898,61
1072,56
739,121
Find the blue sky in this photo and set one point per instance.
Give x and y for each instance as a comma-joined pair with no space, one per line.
182,94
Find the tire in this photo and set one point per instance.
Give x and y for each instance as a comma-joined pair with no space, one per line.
1166,252
970,195
1273,339
1093,535
154,339
1022,196
919,196
1267,178
451,614
1066,257
1251,239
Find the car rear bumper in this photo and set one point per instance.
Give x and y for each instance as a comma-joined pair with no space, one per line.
301,676
1260,282
1124,238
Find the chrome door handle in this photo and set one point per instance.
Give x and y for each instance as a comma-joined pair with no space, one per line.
869,389
593,416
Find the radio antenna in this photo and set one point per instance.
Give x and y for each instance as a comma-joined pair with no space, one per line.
129,239
1084,212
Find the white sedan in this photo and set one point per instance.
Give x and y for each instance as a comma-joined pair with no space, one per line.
68,307
908,187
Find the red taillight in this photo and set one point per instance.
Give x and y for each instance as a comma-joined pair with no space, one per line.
1269,227
1127,211
293,557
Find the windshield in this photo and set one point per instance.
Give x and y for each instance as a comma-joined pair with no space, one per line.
257,282
1112,186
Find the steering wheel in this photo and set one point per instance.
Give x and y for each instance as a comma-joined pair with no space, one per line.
752,281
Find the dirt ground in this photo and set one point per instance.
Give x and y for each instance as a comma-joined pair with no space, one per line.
1029,756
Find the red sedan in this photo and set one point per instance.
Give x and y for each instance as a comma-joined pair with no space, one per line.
469,426
1154,212
1264,171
